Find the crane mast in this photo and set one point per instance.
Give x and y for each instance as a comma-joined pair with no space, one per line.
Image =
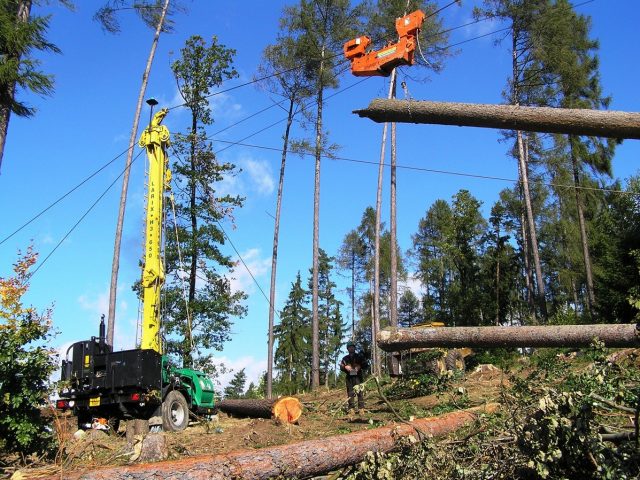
155,139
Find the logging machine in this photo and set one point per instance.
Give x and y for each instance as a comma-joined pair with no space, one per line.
382,62
139,383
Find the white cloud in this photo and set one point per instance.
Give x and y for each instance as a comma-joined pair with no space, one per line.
260,174
256,177
253,369
124,335
414,284
258,266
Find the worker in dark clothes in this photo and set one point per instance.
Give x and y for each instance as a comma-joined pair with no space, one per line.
353,365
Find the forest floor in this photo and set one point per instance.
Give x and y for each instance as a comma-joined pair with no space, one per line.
324,415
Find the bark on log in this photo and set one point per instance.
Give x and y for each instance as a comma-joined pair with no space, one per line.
616,335
296,460
599,123
285,409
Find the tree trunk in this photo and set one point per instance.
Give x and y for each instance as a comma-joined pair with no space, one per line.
522,159
295,460
315,325
274,257
285,409
393,294
614,335
576,121
376,256
591,299
115,266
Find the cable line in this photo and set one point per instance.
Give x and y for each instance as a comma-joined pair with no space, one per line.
82,218
62,197
430,170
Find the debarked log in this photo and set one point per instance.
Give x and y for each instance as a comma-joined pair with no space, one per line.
285,409
612,335
295,460
576,121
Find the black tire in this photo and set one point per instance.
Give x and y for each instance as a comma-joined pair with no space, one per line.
454,361
175,412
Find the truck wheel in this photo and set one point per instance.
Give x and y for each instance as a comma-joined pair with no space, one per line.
454,361
175,412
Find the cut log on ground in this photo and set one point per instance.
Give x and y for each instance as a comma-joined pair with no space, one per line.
616,335
576,121
285,409
296,460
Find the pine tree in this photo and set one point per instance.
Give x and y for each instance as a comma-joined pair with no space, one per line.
409,310
282,78
321,28
194,257
235,389
293,336
20,35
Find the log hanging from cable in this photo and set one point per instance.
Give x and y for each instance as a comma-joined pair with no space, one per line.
613,335
285,409
576,121
295,460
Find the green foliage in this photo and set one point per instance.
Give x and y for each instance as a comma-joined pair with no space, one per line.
236,386
149,12
417,386
194,258
18,68
26,363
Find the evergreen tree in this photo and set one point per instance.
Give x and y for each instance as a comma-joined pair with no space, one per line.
202,320
235,389
409,309
21,34
569,54
293,337
282,77
321,28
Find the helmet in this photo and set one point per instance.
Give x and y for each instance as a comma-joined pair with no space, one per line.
351,343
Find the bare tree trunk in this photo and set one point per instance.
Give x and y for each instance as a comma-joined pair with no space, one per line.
376,256
22,16
576,121
306,459
315,339
522,158
393,294
612,335
115,266
274,256
591,299
353,294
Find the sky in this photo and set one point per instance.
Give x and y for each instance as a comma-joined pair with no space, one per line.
87,123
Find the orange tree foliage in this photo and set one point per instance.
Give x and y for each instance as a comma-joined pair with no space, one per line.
26,362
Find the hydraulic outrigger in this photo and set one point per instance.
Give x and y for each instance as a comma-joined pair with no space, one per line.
139,383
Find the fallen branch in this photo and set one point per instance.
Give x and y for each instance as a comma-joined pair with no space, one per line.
612,404
297,460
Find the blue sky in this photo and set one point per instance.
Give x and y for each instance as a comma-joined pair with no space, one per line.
87,123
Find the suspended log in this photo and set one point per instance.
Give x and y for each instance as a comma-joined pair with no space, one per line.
576,121
295,460
616,335
285,409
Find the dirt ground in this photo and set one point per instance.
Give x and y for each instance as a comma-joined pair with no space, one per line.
324,415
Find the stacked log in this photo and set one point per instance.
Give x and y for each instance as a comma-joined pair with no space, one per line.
285,409
295,460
